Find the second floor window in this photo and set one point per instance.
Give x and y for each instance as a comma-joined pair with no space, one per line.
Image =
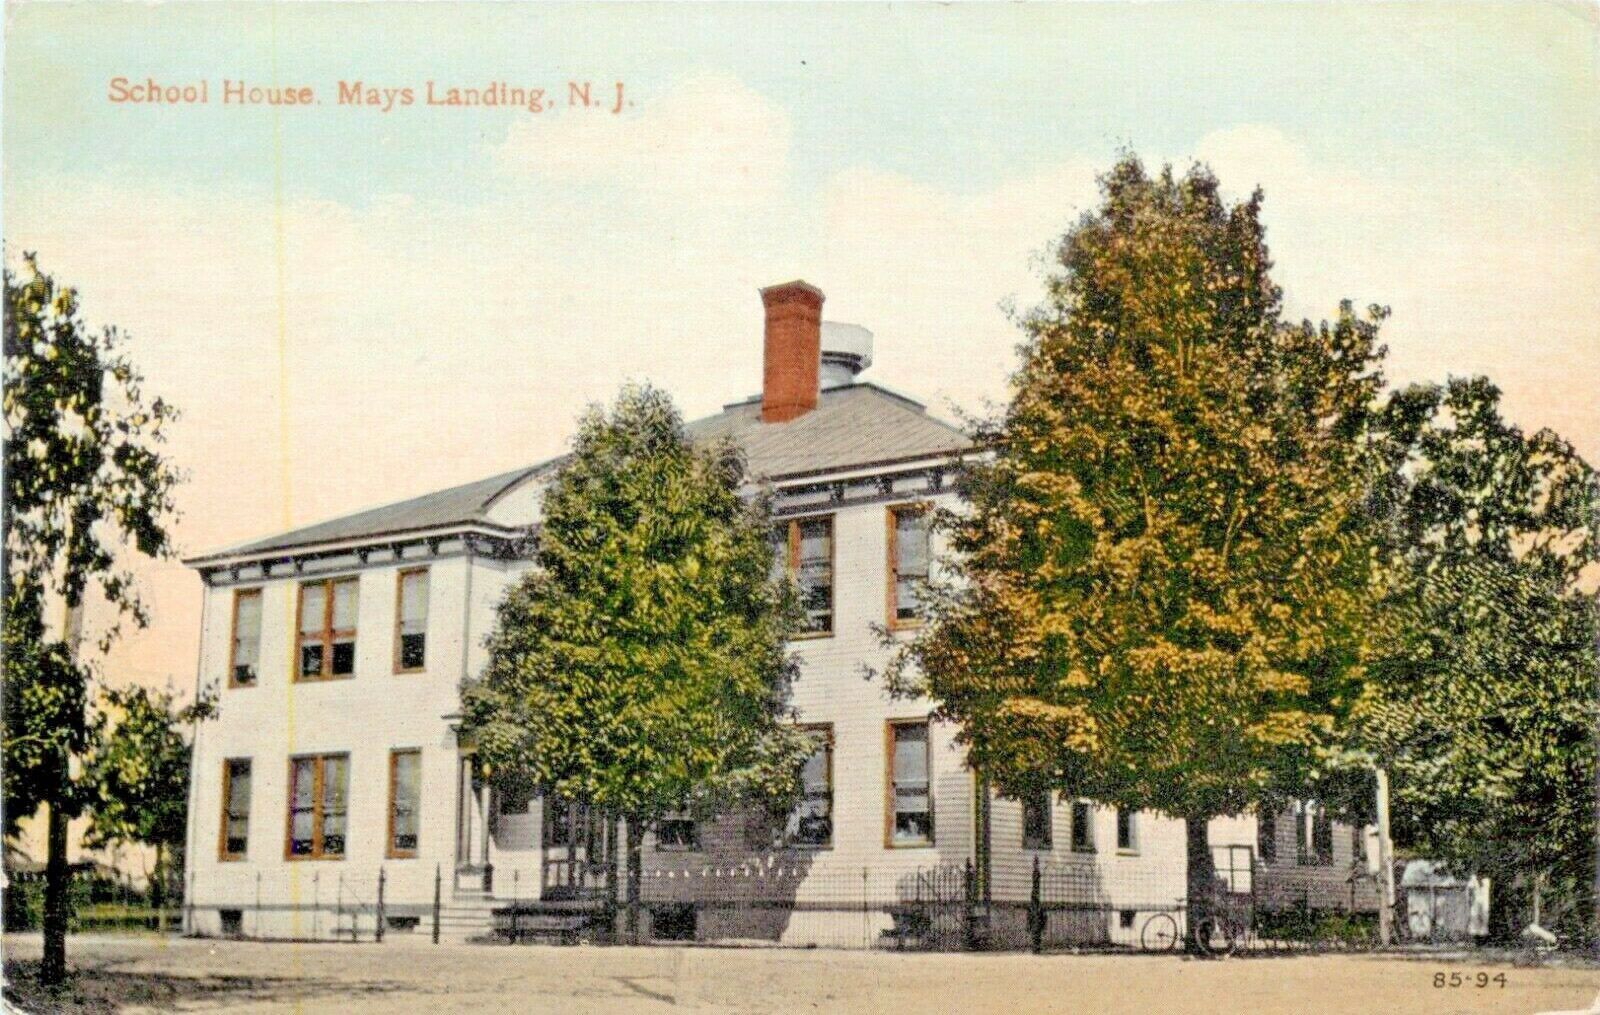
807,548
235,808
911,800
908,563
319,805
1036,820
245,657
811,822
326,645
411,622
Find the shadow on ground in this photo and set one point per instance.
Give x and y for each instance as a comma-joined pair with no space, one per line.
103,989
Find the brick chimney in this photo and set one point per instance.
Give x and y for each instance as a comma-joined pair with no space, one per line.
792,350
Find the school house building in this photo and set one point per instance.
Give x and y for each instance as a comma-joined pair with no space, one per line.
332,793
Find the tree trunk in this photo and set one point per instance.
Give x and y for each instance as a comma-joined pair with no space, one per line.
53,966
611,876
158,881
635,876
1201,881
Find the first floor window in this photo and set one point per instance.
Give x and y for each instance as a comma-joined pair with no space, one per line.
318,805
235,808
811,822
1322,835
1082,827
405,795
911,802
326,644
677,831
1267,833
245,656
411,622
1127,830
1036,830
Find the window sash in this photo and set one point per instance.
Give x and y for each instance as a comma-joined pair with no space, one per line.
1267,834
411,620
325,640
1037,830
910,790
235,808
811,821
318,806
405,795
810,552
909,553
677,832
1127,830
1082,827
244,661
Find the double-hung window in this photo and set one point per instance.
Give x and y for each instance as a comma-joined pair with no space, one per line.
244,659
811,822
326,644
235,808
807,545
1036,830
319,806
1267,833
908,563
1082,827
411,622
676,831
910,797
405,796
1127,831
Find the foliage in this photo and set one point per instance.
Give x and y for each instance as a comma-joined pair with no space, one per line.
138,770
85,486
1483,703
641,666
1158,598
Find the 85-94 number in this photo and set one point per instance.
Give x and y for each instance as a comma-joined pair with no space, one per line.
1469,980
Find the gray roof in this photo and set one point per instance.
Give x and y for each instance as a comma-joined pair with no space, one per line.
852,426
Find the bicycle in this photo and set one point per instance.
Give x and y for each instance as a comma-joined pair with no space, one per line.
1160,933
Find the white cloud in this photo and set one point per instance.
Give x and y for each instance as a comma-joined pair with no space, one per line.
709,139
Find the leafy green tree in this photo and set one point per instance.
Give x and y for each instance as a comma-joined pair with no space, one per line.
137,774
1157,591
85,487
1483,702
641,666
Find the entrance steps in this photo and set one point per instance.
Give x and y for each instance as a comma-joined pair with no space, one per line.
474,917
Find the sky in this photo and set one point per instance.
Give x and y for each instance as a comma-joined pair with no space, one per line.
354,305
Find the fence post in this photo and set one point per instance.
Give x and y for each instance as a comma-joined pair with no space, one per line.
438,880
1036,911
378,930
970,911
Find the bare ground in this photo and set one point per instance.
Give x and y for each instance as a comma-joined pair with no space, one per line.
138,974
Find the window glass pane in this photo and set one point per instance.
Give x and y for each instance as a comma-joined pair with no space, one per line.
344,605
913,819
246,637
407,769
237,808
312,606
344,657
414,602
301,799
1125,830
413,651
676,833
1036,820
334,773
911,543
811,823
814,574
1082,828
311,660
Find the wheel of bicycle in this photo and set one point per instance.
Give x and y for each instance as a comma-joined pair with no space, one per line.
1160,934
